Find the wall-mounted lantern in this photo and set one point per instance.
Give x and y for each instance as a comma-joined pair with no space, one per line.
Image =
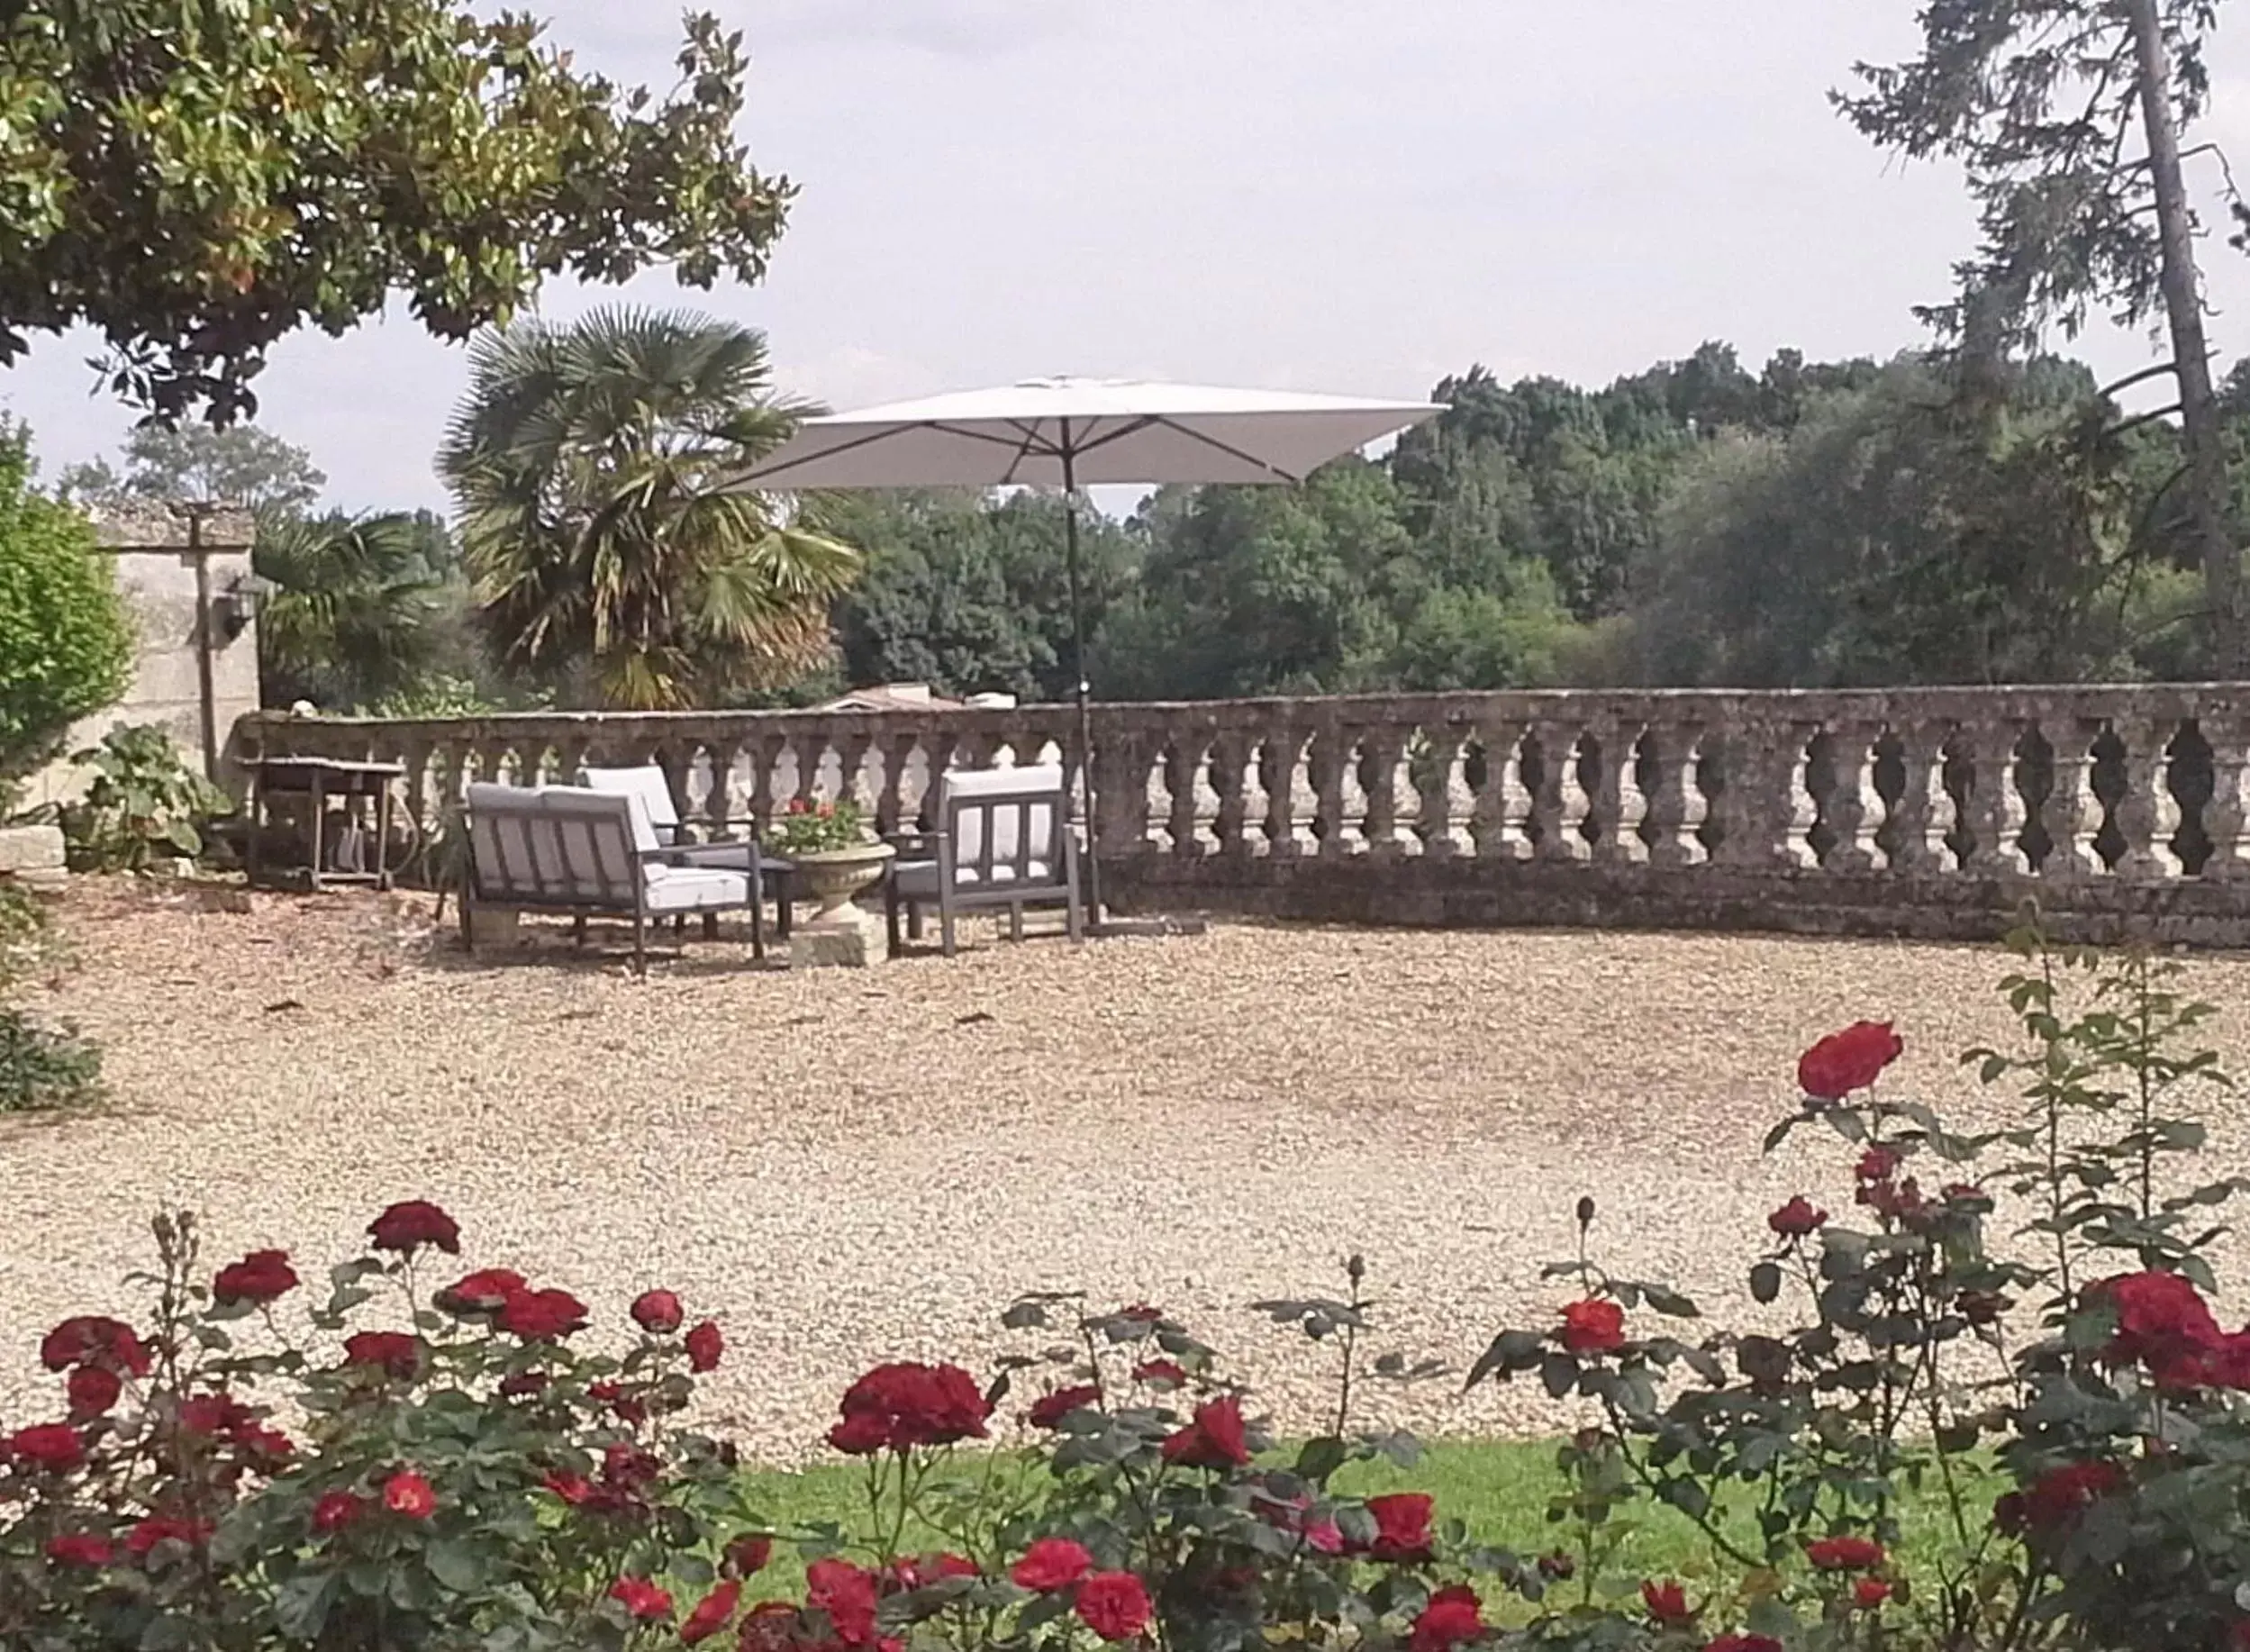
234,609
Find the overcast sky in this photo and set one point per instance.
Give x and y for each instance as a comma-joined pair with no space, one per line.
1329,195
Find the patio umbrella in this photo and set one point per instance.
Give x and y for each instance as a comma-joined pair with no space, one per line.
1081,432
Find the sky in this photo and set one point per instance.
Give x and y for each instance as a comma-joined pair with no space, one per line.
1314,194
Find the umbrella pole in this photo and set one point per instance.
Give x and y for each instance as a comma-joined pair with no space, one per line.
1085,688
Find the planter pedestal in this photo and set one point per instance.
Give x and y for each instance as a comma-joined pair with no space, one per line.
840,935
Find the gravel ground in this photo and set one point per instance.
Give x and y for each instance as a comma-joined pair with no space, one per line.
845,1165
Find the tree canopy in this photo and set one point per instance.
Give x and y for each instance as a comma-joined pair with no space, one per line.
196,180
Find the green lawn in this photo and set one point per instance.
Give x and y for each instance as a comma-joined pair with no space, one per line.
1500,1489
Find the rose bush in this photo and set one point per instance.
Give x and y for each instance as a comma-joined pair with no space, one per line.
445,1463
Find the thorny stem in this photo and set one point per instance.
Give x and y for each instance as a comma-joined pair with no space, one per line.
1356,1269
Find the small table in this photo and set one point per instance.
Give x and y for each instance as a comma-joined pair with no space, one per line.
322,779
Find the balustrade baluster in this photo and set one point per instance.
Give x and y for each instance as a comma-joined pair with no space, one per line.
2147,815
1503,802
1560,806
1184,755
1677,806
2071,813
1996,813
2226,817
1329,758
1382,750
1855,808
1618,807
1438,819
1279,755
1230,774
1925,808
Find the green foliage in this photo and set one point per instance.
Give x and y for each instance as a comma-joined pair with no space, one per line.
241,465
352,616
43,1068
66,645
807,827
196,181
970,595
143,809
590,464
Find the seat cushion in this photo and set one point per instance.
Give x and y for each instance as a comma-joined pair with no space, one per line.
679,889
918,879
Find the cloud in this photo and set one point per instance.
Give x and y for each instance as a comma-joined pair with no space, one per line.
949,28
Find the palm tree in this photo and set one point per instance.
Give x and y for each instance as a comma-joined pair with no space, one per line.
588,462
348,621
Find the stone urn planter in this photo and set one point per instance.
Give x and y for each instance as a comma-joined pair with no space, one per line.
841,933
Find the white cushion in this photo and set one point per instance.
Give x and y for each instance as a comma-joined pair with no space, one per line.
674,889
992,790
646,781
918,879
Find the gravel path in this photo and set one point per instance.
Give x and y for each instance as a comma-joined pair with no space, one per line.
845,1165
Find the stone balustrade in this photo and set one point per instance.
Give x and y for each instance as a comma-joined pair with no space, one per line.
1930,813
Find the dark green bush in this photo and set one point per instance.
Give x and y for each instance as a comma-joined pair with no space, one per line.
143,806
66,645
44,1067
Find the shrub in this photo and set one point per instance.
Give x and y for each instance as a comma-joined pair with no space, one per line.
143,806
43,1068
809,827
65,646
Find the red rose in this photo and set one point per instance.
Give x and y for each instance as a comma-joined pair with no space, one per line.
1877,1165
1845,1554
1214,1440
952,1565
1593,1327
657,1312
334,1510
412,1223
704,1344
1142,1313
541,1316
91,1339
847,1594
79,1548
259,1278
1401,1526
157,1529
573,1489
523,1385
408,1493
1796,1218
747,1556
1848,1060
1049,1410
1051,1563
1115,1605
1453,1616
1744,1643
641,1598
2054,1501
54,1446
712,1613
2164,1324
93,1390
486,1292
1870,1592
1666,1601
862,1435
394,1352
915,1405
1164,1373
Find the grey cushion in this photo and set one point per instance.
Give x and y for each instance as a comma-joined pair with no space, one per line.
918,879
679,889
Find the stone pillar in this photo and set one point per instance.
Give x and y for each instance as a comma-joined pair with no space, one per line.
1677,807
2147,815
1854,806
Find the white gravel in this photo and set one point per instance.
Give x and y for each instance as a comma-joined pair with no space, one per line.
845,1165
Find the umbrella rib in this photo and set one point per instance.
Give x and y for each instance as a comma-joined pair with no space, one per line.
1228,449
758,474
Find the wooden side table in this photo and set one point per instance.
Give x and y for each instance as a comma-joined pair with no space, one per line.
323,780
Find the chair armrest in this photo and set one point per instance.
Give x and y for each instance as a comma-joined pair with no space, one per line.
918,845
692,853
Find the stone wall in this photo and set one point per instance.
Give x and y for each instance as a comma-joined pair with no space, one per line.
1927,813
157,546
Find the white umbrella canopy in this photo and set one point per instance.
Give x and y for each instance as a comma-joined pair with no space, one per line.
1081,432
